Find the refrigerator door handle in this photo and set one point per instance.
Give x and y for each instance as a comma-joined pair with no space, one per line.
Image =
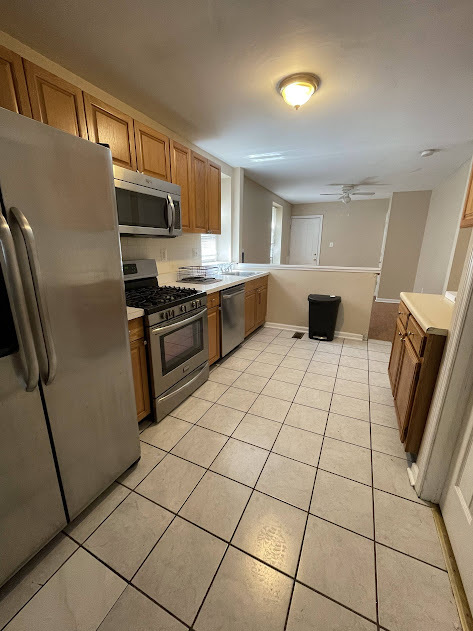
37,301
12,277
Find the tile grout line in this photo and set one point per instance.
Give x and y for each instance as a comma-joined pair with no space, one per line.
374,520
253,489
307,516
234,531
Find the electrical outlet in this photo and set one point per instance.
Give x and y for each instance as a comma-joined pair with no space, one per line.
163,254
331,244
195,253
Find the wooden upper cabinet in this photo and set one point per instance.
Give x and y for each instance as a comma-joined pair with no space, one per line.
152,152
467,217
214,197
55,102
198,193
13,90
110,126
180,174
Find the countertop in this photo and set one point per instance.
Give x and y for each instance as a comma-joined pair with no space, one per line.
432,311
227,281
170,279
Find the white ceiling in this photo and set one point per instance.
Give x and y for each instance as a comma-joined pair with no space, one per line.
396,78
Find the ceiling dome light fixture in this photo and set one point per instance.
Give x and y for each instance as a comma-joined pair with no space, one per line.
296,89
427,153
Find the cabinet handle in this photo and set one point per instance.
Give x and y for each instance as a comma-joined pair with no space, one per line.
399,312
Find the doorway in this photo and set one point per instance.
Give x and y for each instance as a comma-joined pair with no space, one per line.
306,237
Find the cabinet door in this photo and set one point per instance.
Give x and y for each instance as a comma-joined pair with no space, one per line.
198,194
214,197
213,316
396,355
13,90
261,303
467,217
112,127
55,102
250,312
180,174
140,378
406,386
152,152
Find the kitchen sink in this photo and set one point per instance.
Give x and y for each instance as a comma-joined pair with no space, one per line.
240,273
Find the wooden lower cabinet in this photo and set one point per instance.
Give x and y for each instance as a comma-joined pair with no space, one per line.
406,386
213,317
140,368
256,300
396,355
250,312
413,369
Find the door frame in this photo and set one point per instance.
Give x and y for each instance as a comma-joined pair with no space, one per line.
455,380
319,245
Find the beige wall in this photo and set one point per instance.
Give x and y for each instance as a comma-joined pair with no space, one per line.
459,257
288,290
355,229
440,233
407,217
256,222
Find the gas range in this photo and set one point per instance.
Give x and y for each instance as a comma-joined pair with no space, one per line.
142,291
176,334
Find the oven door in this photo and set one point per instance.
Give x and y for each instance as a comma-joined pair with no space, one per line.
177,349
146,211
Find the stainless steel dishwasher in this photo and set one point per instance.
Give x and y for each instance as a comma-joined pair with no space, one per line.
233,317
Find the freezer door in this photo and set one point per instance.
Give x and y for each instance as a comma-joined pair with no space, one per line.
31,508
63,187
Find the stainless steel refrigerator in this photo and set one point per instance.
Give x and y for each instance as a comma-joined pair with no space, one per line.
67,410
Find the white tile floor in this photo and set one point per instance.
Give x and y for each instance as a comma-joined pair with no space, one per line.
274,498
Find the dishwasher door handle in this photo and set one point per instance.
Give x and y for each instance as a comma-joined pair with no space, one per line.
236,293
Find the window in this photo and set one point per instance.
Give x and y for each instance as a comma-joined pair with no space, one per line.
276,234
208,243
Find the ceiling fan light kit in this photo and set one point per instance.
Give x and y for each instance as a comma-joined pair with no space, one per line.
296,89
347,191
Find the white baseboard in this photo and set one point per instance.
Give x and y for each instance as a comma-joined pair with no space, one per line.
394,301
305,329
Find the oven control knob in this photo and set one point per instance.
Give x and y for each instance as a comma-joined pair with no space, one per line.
183,307
172,313
193,304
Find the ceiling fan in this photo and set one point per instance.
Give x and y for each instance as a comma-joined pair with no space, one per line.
347,191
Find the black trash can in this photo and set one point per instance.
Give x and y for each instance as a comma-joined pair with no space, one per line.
323,316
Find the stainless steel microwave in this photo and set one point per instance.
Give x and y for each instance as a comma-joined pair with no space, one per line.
146,206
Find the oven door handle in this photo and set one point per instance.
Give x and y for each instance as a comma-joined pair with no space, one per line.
183,387
170,327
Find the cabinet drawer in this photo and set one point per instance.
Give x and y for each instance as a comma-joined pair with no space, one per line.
213,300
135,329
416,335
403,314
255,283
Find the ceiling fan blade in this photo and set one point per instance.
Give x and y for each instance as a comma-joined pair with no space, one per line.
330,194
366,193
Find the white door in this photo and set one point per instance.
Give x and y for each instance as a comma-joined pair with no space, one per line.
306,235
457,503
